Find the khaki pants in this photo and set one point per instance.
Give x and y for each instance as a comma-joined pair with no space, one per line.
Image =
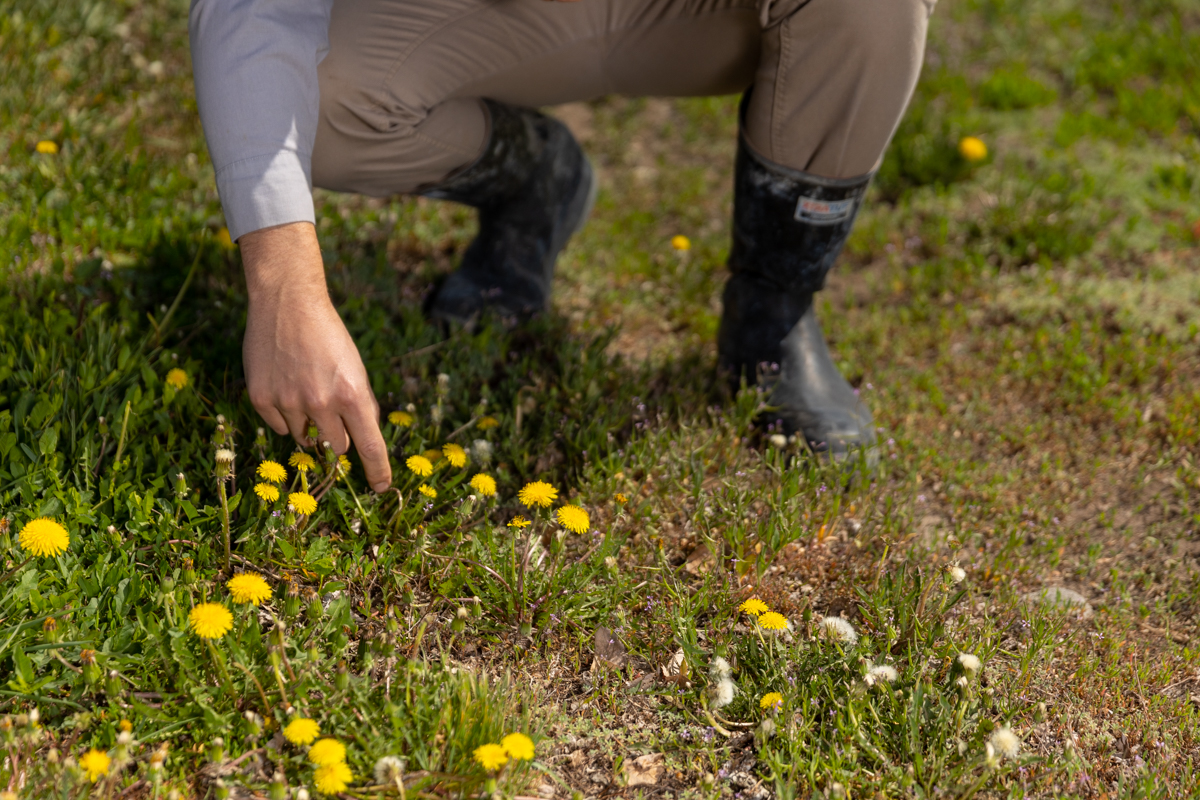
402,82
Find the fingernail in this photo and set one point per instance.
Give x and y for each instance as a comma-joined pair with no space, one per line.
380,487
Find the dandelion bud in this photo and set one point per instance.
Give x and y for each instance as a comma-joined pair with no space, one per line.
315,609
610,564
218,437
52,755
443,384
460,620
124,738
181,487
102,424
837,791
50,630
224,462
255,722
767,728
342,678
216,750
1039,714
220,789
260,438
189,571
35,715
989,755
435,414
220,419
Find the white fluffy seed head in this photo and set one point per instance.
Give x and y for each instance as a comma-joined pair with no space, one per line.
838,629
881,673
224,456
970,664
778,441
956,573
722,694
388,769
719,669
1005,742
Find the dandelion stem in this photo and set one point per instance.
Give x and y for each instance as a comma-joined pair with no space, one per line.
121,441
224,520
216,657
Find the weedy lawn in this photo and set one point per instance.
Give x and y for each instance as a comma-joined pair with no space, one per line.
694,609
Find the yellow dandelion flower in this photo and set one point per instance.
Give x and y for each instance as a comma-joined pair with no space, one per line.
537,493
484,484
428,491
574,519
771,700
753,606
302,731
455,455
972,148
95,764
210,620
518,746
491,757
773,621
487,423
177,378
519,522
249,587
401,419
681,243
272,471
621,498
327,751
332,778
266,492
343,465
125,725
303,502
433,455
44,537
47,147
420,466
302,461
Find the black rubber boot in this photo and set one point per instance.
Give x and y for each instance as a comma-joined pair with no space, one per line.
533,187
788,228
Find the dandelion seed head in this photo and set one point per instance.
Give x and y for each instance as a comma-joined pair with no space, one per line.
881,673
838,629
1005,742
721,693
389,769
970,664
719,669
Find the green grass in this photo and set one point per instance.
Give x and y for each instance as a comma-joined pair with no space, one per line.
1023,328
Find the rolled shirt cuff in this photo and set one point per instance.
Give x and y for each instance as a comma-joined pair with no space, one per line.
267,190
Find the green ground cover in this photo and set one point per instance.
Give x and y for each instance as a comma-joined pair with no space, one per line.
1024,329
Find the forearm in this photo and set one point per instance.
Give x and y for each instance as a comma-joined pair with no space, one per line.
284,259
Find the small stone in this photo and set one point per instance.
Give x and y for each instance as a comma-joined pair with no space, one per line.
644,770
1060,598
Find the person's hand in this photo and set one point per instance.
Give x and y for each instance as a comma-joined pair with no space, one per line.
301,363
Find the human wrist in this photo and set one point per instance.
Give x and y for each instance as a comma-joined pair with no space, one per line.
283,261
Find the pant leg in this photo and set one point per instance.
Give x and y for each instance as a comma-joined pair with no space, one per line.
834,80
402,82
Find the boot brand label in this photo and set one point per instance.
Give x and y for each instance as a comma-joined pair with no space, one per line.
823,212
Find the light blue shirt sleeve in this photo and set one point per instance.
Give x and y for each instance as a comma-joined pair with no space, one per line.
255,69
